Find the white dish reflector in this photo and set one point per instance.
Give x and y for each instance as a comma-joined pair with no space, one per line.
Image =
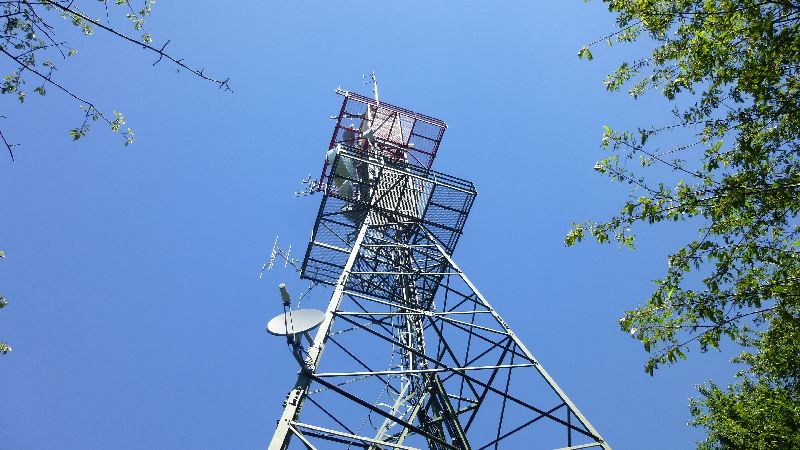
293,322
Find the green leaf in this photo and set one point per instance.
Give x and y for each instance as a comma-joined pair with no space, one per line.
78,133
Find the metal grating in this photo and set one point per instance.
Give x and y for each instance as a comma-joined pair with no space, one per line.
390,194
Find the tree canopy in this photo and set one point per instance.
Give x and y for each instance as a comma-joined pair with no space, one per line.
761,411
730,69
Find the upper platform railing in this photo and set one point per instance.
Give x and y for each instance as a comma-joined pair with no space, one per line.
396,132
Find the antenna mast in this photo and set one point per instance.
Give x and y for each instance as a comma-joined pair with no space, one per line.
375,88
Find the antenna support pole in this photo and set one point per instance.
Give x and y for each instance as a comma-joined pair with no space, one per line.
375,88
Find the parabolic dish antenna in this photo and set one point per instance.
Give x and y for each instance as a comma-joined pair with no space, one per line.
293,322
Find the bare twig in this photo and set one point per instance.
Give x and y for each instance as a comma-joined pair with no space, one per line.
222,84
8,146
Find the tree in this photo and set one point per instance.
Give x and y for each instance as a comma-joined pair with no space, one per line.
761,411
31,39
730,69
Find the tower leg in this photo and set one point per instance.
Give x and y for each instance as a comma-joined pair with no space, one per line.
450,365
296,397
573,410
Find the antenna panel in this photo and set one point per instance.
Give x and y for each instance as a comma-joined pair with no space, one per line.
389,193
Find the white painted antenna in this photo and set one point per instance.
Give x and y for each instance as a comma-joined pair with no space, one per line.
268,265
278,252
310,187
374,86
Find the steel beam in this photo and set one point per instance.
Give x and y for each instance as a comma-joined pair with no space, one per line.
549,379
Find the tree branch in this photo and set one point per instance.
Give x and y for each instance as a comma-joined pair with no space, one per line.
60,87
222,84
8,146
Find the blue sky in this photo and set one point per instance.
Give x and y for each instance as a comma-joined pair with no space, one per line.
137,315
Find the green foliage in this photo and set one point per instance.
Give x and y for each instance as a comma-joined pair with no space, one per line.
731,70
762,411
32,40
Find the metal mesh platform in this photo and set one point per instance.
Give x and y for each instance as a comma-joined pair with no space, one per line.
388,193
401,134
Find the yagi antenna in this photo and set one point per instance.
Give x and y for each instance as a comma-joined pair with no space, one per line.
278,252
288,257
310,187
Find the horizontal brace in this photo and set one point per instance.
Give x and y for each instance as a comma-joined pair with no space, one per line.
339,440
331,247
462,399
356,313
418,371
351,436
418,313
370,298
403,273
472,325
400,245
576,447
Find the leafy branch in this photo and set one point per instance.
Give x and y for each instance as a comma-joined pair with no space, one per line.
731,70
23,21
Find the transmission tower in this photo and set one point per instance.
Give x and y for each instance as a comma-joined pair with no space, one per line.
415,356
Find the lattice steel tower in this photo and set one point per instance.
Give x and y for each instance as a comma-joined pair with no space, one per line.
424,361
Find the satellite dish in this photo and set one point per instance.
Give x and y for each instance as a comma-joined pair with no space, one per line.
298,321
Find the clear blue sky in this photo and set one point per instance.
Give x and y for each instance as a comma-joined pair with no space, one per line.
137,316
